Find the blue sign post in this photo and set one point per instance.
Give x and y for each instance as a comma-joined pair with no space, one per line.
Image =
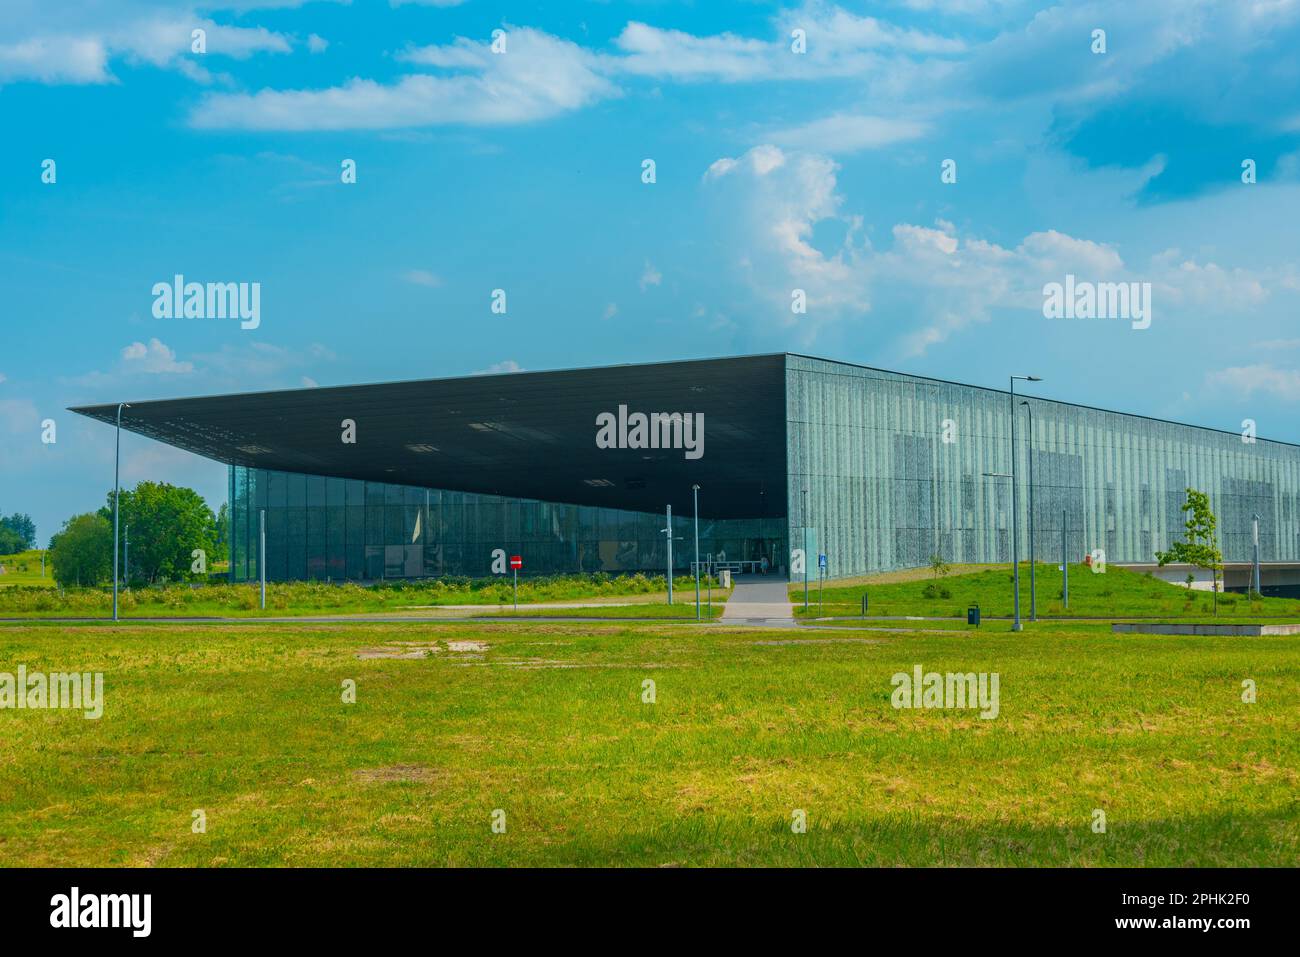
821,580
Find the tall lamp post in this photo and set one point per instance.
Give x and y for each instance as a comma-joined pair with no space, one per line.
1015,501
669,533
1033,593
1255,569
117,463
803,518
695,494
1065,566
1005,475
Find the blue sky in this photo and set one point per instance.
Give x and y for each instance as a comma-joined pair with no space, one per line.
521,170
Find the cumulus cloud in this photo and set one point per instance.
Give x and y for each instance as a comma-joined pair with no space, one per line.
774,199
154,357
936,279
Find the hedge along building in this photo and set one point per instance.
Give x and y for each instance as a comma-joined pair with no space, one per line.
573,470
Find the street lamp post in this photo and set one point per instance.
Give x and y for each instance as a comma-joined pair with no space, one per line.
1005,475
803,520
117,470
1065,565
1015,502
669,532
1033,592
261,556
1255,570
695,494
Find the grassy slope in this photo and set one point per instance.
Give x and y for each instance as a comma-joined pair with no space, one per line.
24,568
1116,593
548,724
318,598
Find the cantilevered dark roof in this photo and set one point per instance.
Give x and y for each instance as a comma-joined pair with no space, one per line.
527,434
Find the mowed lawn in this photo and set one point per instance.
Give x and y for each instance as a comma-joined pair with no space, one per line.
547,724
1116,593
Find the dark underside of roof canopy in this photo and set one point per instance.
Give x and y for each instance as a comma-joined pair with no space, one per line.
528,435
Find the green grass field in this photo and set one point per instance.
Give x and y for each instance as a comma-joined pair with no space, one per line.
1117,593
24,568
321,598
546,722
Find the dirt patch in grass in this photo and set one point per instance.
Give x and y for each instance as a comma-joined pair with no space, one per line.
422,649
395,772
822,641
368,653
467,646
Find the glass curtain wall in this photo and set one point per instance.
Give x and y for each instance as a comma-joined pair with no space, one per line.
899,468
333,529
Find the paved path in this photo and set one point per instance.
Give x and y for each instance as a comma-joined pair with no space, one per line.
759,599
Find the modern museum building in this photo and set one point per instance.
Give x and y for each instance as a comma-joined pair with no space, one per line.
574,470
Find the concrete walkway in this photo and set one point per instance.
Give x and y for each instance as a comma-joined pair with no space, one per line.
759,599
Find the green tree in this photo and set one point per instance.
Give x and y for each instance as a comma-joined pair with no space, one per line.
10,541
168,522
82,553
1201,547
938,565
221,531
20,527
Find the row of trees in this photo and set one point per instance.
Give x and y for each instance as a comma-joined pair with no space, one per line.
167,523
17,533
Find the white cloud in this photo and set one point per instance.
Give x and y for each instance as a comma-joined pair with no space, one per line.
156,357
849,133
506,365
935,280
309,383
55,59
317,43
237,367
650,277
78,45
773,200
838,44
538,77
19,415
1245,381
422,277
611,310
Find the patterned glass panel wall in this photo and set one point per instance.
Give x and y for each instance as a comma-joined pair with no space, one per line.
325,528
886,490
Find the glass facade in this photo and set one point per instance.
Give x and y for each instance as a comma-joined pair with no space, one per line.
882,470
337,529
895,471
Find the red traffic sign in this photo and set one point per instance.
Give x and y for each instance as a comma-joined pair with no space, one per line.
516,561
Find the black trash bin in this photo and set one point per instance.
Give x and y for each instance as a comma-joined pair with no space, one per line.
973,615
